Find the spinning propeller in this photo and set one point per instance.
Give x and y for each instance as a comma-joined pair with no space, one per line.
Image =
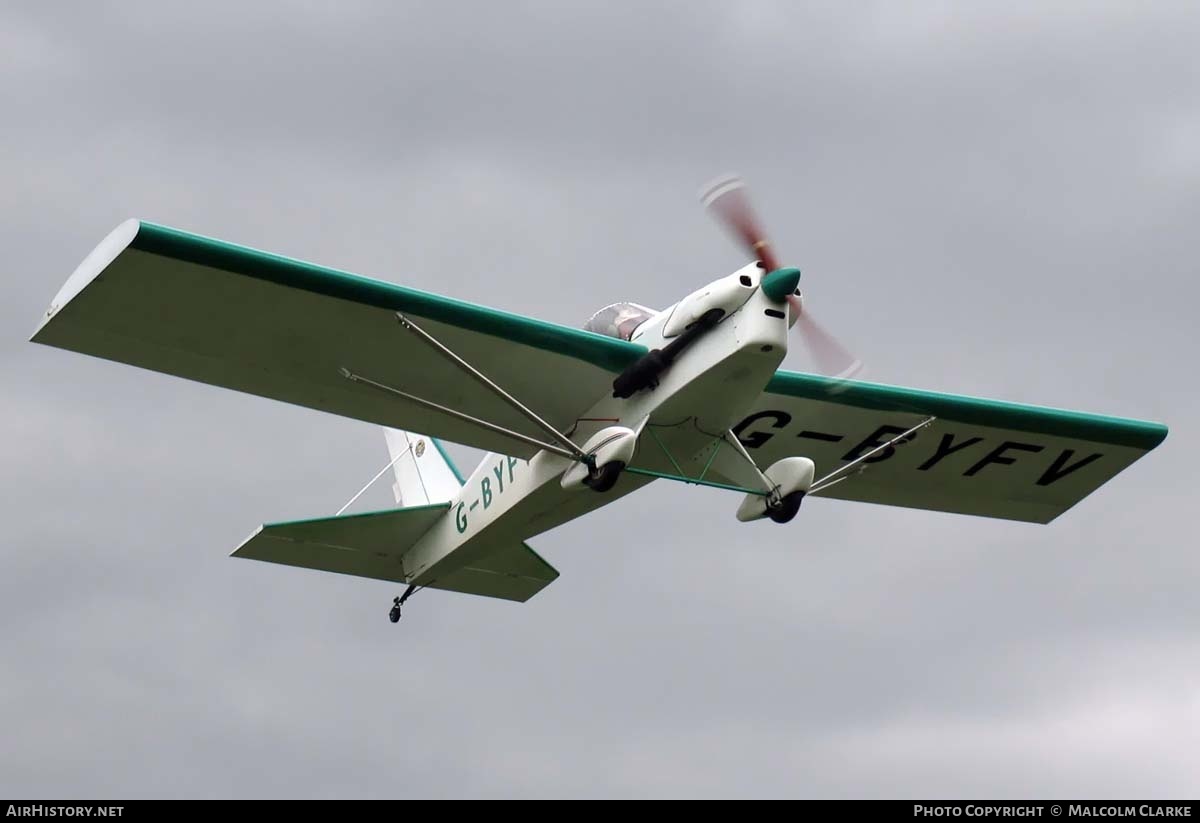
726,199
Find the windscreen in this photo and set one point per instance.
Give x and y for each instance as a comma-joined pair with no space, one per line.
619,320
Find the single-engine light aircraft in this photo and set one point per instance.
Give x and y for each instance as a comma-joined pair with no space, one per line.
573,418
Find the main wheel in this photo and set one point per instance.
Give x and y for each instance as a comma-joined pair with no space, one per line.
605,477
787,508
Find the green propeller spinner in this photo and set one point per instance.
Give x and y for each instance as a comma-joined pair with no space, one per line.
780,283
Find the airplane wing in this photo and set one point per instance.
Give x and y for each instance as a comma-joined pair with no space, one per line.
980,457
255,322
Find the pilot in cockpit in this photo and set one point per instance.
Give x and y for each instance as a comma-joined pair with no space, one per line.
619,320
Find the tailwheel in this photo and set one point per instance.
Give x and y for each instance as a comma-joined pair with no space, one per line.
394,614
786,508
605,477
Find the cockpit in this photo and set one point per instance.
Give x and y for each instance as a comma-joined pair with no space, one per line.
619,320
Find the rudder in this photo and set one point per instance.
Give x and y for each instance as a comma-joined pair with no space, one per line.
424,472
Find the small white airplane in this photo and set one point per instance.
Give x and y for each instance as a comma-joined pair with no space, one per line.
574,418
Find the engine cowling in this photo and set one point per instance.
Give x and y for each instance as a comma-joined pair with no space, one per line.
727,294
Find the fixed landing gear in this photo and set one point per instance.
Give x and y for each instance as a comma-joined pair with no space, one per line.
605,477
786,508
394,614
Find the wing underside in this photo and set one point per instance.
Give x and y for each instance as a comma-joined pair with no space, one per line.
210,311
979,457
222,314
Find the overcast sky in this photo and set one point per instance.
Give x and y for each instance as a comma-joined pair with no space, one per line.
993,199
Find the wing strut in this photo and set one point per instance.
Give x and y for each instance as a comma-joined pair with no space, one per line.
825,482
568,449
466,418
574,451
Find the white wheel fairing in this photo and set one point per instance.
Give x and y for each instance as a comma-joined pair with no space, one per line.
614,444
791,474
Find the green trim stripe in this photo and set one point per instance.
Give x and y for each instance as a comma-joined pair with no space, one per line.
606,352
1138,434
614,355
340,517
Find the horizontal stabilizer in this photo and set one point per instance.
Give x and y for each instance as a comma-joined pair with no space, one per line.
366,545
511,571
372,545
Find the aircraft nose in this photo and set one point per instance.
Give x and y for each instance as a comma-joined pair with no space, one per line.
780,283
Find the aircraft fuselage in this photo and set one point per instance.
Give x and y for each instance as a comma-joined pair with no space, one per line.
708,389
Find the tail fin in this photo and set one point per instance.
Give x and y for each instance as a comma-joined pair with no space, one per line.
373,544
424,472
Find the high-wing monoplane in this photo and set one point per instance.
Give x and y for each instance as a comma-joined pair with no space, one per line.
572,419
